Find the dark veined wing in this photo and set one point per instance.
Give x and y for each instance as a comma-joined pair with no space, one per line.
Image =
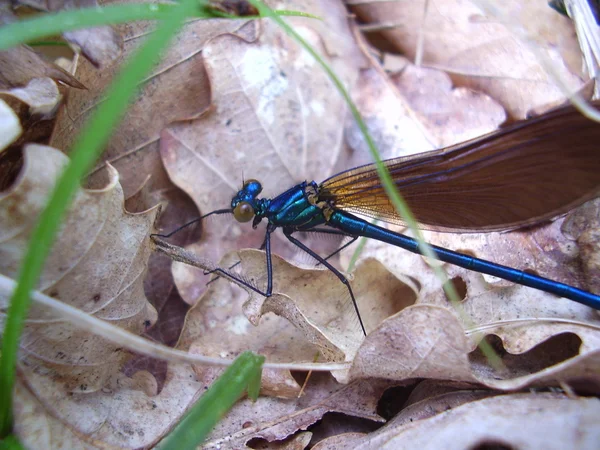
523,174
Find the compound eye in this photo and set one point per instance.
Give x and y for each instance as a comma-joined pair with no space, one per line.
252,186
250,181
243,212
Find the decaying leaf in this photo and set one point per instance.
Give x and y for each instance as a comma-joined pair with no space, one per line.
10,130
481,53
123,417
177,89
406,116
274,419
544,421
100,45
39,98
20,65
452,115
97,264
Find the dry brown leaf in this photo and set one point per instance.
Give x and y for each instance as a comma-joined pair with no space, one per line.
216,326
275,419
101,45
20,65
416,110
549,421
330,326
340,442
479,52
41,96
177,89
98,265
10,130
298,441
123,417
452,115
392,122
428,341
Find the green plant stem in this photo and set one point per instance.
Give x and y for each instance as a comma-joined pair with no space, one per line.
86,150
243,375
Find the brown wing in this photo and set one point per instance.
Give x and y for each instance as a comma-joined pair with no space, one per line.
520,175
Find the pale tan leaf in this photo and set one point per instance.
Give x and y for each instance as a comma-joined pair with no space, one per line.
394,125
270,96
123,417
97,264
340,442
416,110
548,421
478,51
274,419
452,115
419,342
10,128
41,95
427,341
20,65
177,89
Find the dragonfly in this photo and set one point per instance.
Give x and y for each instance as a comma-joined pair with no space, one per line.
521,175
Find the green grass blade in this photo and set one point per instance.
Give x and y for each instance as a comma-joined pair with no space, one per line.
86,150
243,375
11,442
56,23
51,24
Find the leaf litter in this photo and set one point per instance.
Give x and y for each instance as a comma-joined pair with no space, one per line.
243,98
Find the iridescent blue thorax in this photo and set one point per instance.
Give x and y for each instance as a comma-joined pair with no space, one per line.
296,208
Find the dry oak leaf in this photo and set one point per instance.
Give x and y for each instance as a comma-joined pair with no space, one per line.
452,115
121,417
549,421
10,130
275,419
41,96
479,52
428,341
216,326
269,98
225,322
177,89
101,45
319,305
416,110
97,264
20,65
